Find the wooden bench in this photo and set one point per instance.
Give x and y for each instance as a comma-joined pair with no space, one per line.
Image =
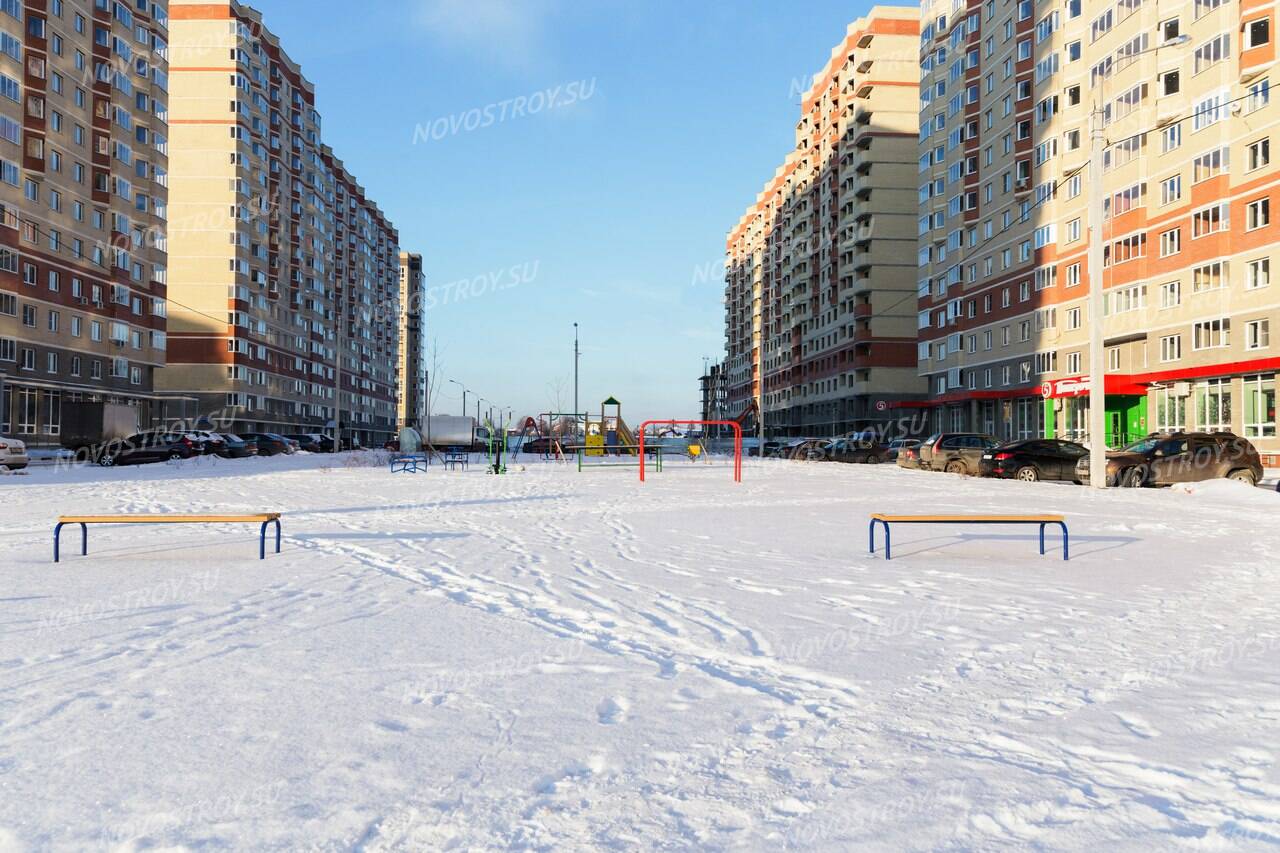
1042,520
264,518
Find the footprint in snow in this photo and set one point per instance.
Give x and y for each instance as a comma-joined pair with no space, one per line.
612,710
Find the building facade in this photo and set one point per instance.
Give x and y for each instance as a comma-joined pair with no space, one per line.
83,173
277,257
411,368
819,321
1182,95
366,273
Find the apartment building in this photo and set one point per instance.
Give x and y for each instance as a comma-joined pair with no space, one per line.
1182,95
83,165
819,321
267,235
411,368
366,275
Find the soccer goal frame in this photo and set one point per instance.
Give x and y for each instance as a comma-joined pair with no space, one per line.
737,441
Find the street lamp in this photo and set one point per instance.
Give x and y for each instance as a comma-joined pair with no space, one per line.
576,355
1097,337
464,395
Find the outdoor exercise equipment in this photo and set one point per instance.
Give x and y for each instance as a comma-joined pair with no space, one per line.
737,441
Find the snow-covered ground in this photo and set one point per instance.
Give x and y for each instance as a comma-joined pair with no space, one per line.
556,660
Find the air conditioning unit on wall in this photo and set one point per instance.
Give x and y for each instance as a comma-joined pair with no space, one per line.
1180,389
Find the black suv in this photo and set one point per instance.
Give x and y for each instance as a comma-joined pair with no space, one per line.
147,447
1162,459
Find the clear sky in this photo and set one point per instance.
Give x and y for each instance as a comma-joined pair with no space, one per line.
564,160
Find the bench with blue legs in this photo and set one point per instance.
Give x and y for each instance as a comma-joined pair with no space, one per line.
410,462
456,459
263,518
1042,520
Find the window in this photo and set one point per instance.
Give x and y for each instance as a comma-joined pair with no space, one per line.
1171,189
1210,220
1259,154
1122,300
1113,359
1257,334
1209,277
1171,348
1212,52
1213,405
1257,273
1257,214
1210,110
1171,137
1211,334
1259,406
1170,294
1209,164
1257,33
1170,242
1073,319
1170,83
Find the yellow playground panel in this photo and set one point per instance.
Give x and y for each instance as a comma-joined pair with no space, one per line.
610,433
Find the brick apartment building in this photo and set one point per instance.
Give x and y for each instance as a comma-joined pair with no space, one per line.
1189,191
411,368
819,313
83,172
278,260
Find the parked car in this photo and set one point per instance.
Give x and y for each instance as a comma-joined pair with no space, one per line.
236,447
146,447
1162,459
808,449
862,450
292,443
909,456
269,443
207,443
13,454
955,452
897,445
1034,459
314,442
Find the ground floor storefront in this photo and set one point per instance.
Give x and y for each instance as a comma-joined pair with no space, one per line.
33,411
1243,403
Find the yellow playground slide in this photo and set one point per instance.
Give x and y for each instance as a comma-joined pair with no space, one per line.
626,438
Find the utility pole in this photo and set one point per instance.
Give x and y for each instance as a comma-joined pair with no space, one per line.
576,355
1097,359
464,395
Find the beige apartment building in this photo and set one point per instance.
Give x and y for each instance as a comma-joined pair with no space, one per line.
83,172
819,314
411,369
366,276
276,254
1182,91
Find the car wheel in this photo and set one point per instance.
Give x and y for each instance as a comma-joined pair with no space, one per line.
955,468
1028,474
106,461
1244,476
872,459
174,456
1134,478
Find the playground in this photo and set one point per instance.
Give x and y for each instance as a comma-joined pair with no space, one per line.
558,659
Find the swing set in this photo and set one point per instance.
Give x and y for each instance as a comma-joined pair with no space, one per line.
737,441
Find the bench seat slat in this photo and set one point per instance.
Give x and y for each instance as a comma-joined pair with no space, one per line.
970,517
175,518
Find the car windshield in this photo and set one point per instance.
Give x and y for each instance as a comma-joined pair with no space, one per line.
1146,445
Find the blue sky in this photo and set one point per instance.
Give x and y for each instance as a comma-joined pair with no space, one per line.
608,208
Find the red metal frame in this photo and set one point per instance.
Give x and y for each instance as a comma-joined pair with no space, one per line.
737,442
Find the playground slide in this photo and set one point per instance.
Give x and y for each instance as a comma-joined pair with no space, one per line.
626,437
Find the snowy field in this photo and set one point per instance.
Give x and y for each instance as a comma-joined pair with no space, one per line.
564,661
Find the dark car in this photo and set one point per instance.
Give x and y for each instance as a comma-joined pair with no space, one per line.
860,449
1162,459
147,447
1034,459
955,452
807,449
543,445
269,443
236,447
207,443
315,443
